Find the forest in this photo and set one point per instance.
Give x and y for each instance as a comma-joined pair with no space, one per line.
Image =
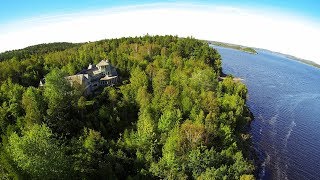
170,116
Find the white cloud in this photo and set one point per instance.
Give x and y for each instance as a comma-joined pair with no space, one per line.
265,29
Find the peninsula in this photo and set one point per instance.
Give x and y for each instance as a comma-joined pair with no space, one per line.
163,110
234,46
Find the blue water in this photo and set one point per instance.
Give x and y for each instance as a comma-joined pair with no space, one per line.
284,97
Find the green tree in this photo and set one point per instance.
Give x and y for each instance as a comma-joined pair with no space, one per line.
169,119
61,103
11,110
34,106
39,154
160,81
247,177
89,153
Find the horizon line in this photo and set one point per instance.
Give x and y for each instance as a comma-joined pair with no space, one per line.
58,18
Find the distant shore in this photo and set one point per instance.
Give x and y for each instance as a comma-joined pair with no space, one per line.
253,51
234,46
311,63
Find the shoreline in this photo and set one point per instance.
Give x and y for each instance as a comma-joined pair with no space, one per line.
253,154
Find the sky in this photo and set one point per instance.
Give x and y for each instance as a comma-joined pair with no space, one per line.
291,27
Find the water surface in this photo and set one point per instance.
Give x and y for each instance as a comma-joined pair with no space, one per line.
284,96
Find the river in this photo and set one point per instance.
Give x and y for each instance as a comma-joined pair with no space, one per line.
284,97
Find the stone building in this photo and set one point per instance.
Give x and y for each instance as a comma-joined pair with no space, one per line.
101,75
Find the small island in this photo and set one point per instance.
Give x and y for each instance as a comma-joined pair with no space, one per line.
234,46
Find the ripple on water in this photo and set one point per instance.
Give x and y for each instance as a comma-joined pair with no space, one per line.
292,125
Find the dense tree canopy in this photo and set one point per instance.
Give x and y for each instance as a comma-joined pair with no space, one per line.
170,116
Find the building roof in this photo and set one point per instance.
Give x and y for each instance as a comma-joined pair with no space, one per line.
103,63
79,78
108,78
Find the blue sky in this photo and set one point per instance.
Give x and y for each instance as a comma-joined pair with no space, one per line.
13,10
291,27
